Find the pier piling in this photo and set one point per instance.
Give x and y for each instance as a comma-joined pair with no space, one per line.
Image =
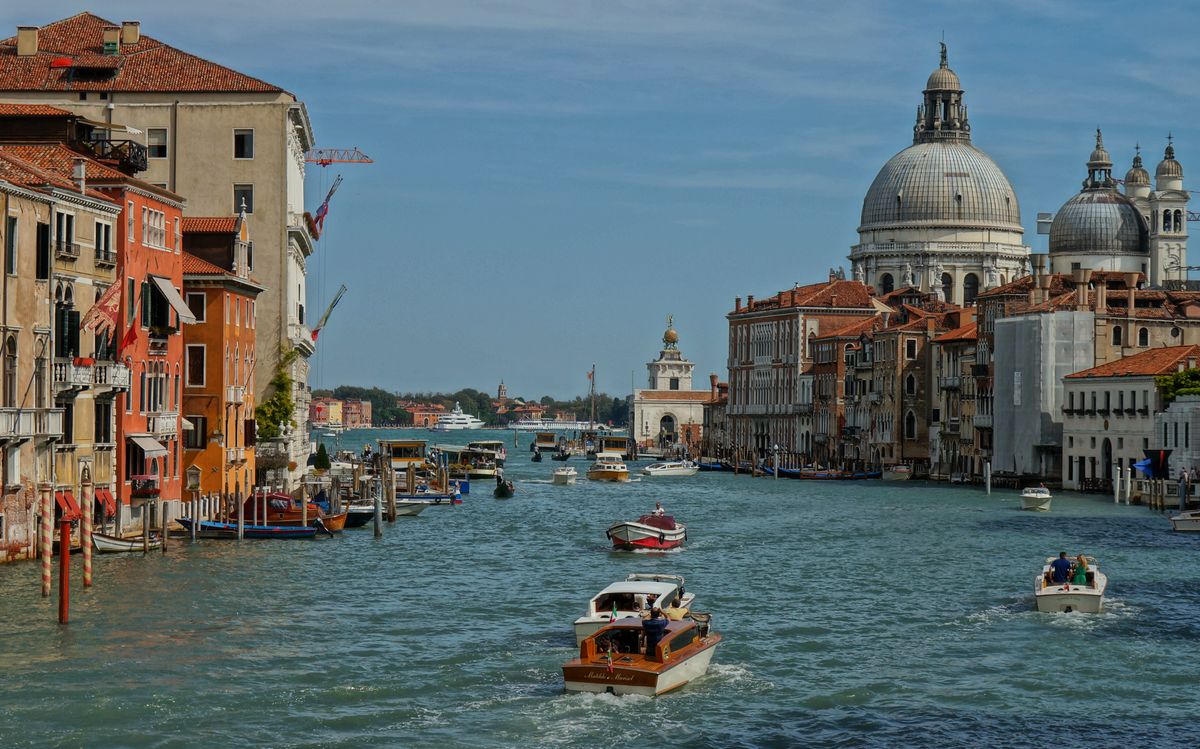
47,512
64,568
87,495
379,508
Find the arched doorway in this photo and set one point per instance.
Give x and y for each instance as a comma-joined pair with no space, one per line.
887,284
947,287
970,288
1107,459
666,431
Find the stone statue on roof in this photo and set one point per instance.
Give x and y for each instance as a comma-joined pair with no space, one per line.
907,278
935,280
992,273
859,274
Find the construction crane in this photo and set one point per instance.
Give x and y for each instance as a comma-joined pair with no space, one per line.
327,156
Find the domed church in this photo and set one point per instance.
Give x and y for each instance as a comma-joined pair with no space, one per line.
940,215
1138,231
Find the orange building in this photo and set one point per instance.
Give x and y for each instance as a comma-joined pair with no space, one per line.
218,392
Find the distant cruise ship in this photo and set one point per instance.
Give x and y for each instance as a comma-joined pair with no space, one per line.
456,420
554,425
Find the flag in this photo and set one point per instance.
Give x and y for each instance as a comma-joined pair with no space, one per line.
323,211
316,331
129,337
613,617
102,317
591,375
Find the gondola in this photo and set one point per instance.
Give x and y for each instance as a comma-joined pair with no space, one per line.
537,457
560,456
504,489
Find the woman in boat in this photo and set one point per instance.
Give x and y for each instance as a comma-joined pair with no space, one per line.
1081,570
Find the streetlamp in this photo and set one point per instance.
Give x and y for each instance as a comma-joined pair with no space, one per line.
775,453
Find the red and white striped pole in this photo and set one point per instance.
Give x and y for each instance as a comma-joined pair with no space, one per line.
87,498
64,568
47,518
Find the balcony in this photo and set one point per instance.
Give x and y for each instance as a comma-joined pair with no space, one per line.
235,394
64,250
115,376
874,397
949,383
129,155
105,258
983,421
48,422
157,342
15,424
68,375
164,424
144,487
952,426
301,337
235,455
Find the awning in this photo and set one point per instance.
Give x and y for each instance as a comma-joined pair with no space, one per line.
173,298
113,126
105,497
68,505
185,424
152,447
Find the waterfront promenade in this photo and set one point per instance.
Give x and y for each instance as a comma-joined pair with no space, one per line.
855,614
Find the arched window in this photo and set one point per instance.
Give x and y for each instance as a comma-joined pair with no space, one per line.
947,287
1166,221
1143,337
910,385
1116,336
1178,221
910,426
10,372
887,284
970,288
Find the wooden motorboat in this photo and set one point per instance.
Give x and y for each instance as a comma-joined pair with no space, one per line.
897,472
1035,498
564,476
116,545
671,468
504,489
333,523
281,509
658,532
608,467
634,596
410,508
210,529
1067,597
1187,521
616,659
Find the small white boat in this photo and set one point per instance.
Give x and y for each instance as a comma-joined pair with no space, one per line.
898,472
1058,597
608,467
117,545
564,476
1186,521
654,532
1035,498
411,507
632,597
671,468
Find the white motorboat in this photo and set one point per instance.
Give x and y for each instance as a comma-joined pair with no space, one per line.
116,545
608,467
1188,520
564,476
898,472
1066,597
671,468
456,420
1035,498
635,595
652,532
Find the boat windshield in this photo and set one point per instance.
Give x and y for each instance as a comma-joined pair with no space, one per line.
623,640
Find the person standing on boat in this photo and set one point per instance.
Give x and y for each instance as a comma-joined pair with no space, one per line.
658,509
654,628
1061,568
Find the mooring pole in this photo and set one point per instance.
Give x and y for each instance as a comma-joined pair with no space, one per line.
87,495
47,528
64,568
987,475
379,507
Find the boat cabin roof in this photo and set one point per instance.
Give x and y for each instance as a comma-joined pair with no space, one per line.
485,442
459,450
646,587
610,457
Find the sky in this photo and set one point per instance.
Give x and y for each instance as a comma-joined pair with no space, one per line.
552,178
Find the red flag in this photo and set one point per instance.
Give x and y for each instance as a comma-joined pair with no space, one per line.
129,337
102,317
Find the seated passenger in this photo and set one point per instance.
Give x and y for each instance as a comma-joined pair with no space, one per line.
1081,570
1061,568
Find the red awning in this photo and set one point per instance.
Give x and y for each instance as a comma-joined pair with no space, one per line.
105,497
68,505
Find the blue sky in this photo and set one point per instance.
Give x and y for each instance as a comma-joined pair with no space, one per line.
553,177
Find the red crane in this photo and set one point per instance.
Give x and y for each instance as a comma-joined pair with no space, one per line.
327,156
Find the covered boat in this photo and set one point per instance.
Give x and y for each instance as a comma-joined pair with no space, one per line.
634,596
210,529
1035,498
671,468
608,467
630,656
659,532
1066,597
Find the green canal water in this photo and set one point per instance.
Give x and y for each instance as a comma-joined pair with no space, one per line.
854,614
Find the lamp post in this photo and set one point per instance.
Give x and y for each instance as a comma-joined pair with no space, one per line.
775,459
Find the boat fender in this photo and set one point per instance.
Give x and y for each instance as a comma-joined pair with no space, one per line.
662,537
685,535
608,535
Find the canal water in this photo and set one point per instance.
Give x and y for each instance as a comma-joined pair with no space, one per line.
854,614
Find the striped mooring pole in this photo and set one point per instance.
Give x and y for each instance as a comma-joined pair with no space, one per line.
87,499
47,518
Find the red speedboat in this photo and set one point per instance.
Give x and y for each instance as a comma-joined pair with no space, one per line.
647,532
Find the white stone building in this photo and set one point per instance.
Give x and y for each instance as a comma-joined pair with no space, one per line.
940,215
669,411
1178,429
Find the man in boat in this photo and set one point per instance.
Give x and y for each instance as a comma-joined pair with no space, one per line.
653,628
658,509
1061,568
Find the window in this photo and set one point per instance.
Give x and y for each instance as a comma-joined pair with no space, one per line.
154,228
910,382
104,242
178,236
156,142
10,246
103,422
129,222
197,437
195,302
249,256
243,143
910,426
64,231
1116,337
237,316
10,373
1143,337
937,415
910,349
142,390
68,421
195,365
43,252
130,288
243,194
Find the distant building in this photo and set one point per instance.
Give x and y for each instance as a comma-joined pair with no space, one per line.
356,414
714,432
425,414
1177,429
669,412
326,412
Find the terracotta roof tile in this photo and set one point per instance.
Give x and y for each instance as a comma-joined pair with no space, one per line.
210,224
32,110
1152,362
968,332
36,167
854,329
148,65
60,160
200,266
837,294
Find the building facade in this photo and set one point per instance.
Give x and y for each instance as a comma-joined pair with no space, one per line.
669,412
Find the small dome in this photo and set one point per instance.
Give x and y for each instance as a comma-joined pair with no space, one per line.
1137,176
1169,167
671,336
943,79
1099,222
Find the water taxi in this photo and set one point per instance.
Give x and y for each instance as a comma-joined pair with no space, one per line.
657,532
403,453
1187,521
564,476
608,467
547,442
497,448
622,658
634,596
671,468
468,462
608,443
456,420
1035,498
1067,597
897,472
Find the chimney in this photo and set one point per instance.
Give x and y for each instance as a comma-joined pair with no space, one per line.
749,301
1101,296
80,174
833,299
27,41
111,35
131,32
712,383
1082,277
737,304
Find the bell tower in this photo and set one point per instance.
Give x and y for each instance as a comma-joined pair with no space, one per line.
1168,221
670,371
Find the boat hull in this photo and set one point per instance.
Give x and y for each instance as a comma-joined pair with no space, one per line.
631,535
891,474
106,544
358,518
1057,598
563,479
621,680
669,472
208,529
1036,504
607,475
1186,522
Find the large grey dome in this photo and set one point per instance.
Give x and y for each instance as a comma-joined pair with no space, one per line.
1099,221
941,184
